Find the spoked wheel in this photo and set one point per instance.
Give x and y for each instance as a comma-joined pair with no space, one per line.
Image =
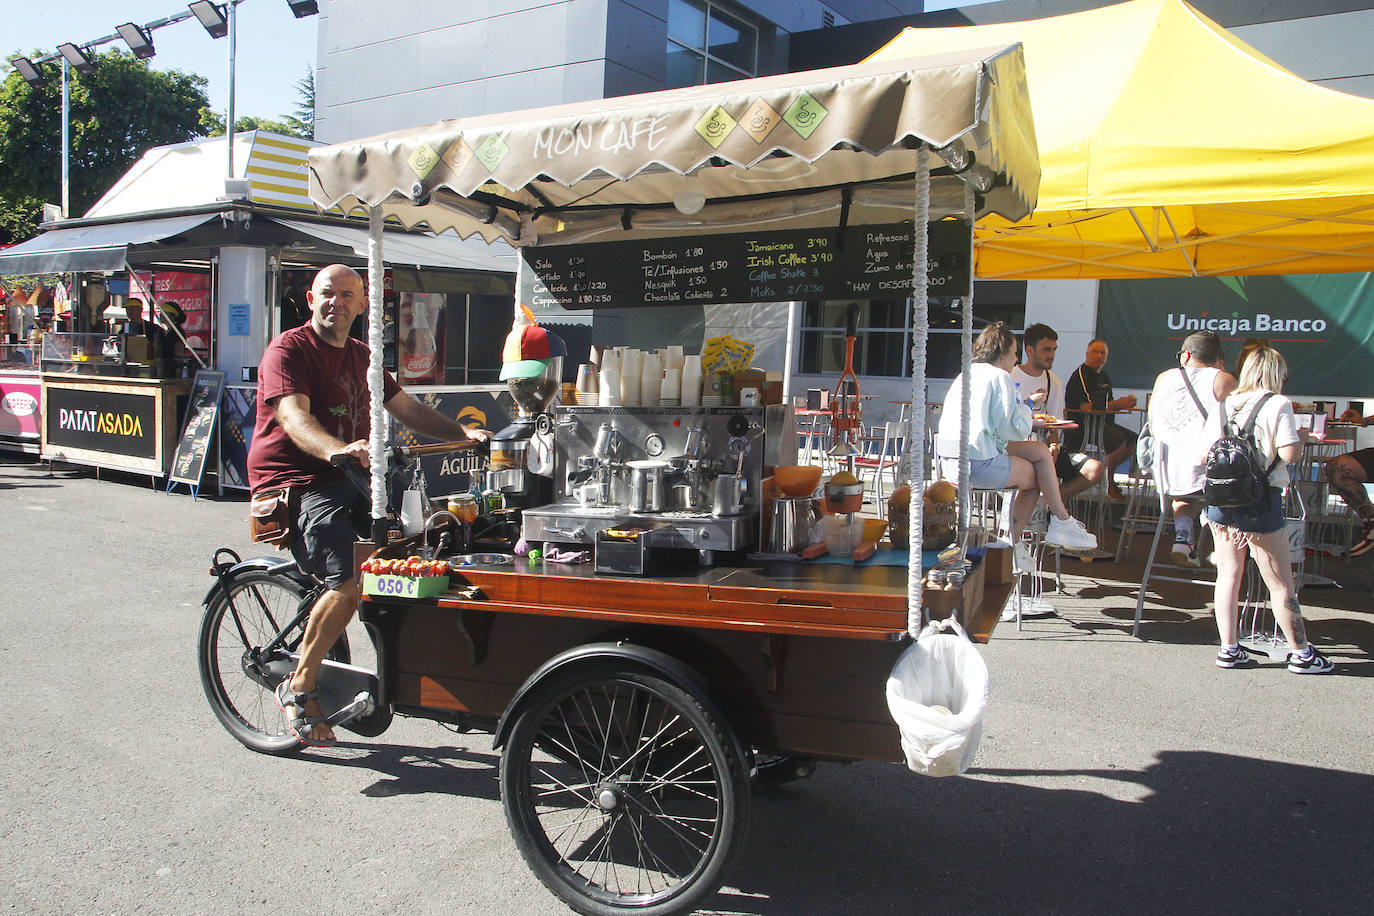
238,678
623,793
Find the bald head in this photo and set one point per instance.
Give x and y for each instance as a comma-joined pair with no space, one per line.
336,299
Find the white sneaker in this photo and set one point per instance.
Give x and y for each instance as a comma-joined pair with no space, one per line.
1021,558
1182,554
1071,534
1039,521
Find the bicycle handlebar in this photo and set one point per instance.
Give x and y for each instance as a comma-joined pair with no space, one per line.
396,456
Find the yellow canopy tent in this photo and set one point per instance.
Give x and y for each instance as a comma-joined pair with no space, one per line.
1170,149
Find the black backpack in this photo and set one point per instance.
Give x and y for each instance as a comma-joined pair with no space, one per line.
1236,475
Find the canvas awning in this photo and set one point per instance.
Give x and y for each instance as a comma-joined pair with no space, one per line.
798,150
412,249
1171,149
99,247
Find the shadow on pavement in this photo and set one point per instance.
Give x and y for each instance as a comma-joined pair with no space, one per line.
1212,833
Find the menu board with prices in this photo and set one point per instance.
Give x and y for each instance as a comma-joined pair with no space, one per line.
860,262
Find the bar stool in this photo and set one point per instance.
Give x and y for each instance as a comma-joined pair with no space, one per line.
993,509
1150,563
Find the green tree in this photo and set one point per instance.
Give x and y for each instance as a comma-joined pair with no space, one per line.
212,123
300,123
118,112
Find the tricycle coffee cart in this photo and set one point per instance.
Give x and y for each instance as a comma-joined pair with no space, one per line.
632,712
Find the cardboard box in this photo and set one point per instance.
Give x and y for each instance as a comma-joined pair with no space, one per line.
749,378
404,586
999,568
964,602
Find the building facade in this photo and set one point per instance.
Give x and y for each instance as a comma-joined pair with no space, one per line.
388,66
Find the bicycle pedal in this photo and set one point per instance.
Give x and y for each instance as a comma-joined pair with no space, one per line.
363,704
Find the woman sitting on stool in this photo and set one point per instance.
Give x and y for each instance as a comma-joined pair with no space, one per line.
1000,455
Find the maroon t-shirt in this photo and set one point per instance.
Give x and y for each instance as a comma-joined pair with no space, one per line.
335,381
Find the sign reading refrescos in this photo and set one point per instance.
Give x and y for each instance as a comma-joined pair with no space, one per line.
862,262
102,421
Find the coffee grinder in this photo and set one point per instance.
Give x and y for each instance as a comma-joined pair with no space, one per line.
522,453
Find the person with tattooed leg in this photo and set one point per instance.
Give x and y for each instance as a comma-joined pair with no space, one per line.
1347,475
1260,529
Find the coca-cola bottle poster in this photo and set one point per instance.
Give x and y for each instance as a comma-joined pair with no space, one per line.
421,356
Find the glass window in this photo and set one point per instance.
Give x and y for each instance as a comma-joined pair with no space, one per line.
883,344
706,44
687,22
730,40
684,67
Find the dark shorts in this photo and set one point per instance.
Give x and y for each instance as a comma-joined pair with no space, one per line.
330,517
1113,437
1365,458
1069,464
1262,518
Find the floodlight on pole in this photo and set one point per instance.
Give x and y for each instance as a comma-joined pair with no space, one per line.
30,72
139,40
302,8
211,16
81,61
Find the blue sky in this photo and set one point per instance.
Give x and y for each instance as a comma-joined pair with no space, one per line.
273,50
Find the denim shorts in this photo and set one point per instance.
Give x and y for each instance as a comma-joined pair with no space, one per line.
1262,518
983,473
330,517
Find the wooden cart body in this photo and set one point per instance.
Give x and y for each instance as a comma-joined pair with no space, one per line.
795,656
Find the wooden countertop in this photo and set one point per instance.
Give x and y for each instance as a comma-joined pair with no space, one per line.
829,600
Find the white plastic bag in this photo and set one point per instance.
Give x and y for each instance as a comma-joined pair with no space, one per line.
937,692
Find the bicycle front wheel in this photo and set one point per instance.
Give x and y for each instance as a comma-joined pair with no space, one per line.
233,669
623,793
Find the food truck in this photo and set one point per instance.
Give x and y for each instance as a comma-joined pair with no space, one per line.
236,256
673,643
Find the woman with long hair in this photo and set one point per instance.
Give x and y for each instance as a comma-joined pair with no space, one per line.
1000,456
1260,530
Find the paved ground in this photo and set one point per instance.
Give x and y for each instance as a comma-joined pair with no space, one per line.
1115,774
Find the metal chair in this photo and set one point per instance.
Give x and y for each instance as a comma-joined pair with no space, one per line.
880,458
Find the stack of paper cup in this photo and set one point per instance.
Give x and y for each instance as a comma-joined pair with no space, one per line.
691,382
631,369
672,386
587,384
650,380
609,395
673,358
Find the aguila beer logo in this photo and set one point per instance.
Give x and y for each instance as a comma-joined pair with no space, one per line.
20,404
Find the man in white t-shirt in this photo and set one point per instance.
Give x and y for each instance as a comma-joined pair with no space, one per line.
1076,471
1182,400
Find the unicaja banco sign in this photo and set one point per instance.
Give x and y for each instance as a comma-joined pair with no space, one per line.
1236,324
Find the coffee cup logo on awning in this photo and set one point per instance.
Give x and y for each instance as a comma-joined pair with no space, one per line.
105,422
1236,324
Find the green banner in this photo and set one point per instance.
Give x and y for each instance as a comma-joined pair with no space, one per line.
1323,324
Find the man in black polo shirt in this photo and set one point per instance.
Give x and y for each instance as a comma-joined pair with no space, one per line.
1088,387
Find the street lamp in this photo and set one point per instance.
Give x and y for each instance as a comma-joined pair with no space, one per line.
30,72
139,40
80,60
211,16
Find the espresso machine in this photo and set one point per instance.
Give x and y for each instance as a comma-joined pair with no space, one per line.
689,476
517,452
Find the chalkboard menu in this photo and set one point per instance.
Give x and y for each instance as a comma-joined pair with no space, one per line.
860,262
188,464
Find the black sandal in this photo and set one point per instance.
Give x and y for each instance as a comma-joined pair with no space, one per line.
300,724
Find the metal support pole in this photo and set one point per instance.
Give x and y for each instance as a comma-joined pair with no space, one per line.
66,136
229,121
